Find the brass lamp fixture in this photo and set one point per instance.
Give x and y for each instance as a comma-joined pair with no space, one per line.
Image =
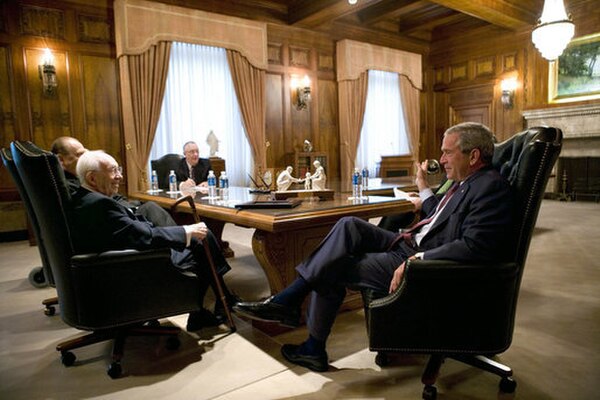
47,72
554,30
301,89
508,87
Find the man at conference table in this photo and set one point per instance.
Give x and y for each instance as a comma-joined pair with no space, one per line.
192,170
470,223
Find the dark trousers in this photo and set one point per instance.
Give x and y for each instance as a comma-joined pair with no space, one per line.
353,255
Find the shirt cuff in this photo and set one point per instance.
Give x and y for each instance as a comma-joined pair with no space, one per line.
425,194
188,235
419,255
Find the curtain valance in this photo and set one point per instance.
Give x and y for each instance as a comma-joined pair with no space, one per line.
354,58
140,24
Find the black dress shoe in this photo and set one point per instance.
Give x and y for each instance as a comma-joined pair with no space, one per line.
318,363
201,319
268,311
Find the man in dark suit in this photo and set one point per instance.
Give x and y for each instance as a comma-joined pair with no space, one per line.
468,224
192,170
100,223
68,150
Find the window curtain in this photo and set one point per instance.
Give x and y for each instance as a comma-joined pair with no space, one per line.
147,78
384,129
352,98
200,98
249,83
410,105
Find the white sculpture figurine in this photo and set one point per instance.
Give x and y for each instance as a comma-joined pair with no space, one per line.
308,147
213,143
307,181
285,179
319,178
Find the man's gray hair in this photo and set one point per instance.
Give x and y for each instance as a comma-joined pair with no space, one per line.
473,135
90,161
186,143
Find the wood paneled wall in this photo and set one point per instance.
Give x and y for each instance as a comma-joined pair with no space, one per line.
86,103
298,52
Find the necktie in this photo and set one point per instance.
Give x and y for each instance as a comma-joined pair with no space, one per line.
408,234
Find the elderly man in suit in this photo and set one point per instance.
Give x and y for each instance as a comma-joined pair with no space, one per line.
468,224
100,223
192,170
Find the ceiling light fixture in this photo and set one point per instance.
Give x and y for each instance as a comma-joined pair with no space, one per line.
554,30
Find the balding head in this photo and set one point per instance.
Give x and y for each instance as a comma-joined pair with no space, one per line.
99,172
68,150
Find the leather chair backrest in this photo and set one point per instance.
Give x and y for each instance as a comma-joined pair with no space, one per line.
163,165
526,160
9,163
44,181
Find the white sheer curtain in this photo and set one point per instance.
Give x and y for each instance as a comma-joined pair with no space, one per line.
384,129
199,98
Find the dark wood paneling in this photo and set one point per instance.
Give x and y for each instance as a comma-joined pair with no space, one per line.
275,132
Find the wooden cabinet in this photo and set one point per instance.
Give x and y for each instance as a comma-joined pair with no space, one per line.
396,166
303,162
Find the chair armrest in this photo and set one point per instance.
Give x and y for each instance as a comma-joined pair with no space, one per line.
120,287
447,305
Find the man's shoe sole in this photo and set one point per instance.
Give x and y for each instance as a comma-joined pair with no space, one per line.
289,323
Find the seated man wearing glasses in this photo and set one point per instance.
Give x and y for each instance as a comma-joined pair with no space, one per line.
100,223
68,150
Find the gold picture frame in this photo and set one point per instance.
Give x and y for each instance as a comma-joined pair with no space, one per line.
575,75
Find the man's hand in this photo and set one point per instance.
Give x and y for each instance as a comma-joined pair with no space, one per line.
397,278
199,230
421,176
398,274
414,198
187,185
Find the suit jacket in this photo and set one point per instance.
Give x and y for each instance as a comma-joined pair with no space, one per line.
200,171
476,224
99,223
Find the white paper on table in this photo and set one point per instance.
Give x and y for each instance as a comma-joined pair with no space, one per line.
400,194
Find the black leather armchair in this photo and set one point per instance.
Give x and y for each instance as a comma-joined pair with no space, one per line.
162,166
467,311
113,294
39,276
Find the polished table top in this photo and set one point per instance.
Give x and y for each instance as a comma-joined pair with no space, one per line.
310,211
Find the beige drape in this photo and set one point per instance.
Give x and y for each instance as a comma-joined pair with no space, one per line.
249,84
352,99
146,77
410,106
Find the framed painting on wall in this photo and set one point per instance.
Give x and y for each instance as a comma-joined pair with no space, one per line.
575,76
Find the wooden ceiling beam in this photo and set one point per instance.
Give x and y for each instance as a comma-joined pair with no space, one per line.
387,9
311,13
497,12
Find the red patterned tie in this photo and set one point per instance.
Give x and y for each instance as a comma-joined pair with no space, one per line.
408,234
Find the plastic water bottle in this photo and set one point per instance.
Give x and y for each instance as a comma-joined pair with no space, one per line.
356,189
212,184
365,178
154,181
172,182
224,184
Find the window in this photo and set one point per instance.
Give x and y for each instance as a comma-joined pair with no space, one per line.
200,98
384,130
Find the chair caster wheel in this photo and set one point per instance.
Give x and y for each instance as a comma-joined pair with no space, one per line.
508,385
382,359
67,358
173,343
37,278
429,392
50,311
114,370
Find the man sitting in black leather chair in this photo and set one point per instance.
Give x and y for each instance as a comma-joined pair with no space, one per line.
192,170
99,223
470,222
68,150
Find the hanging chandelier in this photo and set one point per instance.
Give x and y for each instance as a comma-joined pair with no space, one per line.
554,31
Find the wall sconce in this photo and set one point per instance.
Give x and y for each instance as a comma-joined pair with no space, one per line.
302,91
508,87
48,73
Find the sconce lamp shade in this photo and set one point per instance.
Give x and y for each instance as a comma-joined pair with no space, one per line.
554,31
508,87
302,92
47,73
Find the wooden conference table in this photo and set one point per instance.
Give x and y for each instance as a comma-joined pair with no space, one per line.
283,237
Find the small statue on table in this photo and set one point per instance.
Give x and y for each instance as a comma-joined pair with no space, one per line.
318,179
213,143
307,181
285,179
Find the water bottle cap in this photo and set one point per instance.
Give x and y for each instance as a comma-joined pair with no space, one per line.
172,171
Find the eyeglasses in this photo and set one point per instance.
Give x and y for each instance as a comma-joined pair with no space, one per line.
116,170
